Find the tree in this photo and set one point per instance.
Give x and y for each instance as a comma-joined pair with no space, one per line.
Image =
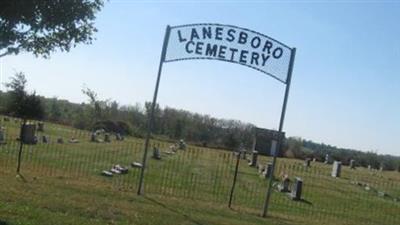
20,103
54,110
94,102
42,26
23,105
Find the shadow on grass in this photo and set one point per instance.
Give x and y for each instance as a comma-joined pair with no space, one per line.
22,178
2,222
172,210
305,201
269,219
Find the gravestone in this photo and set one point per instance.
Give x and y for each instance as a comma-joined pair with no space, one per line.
253,161
243,154
284,186
307,162
314,159
2,136
169,152
116,171
107,138
381,167
273,150
41,126
45,139
28,133
382,194
118,137
182,144
121,169
261,168
172,147
73,140
369,167
106,173
267,171
93,137
156,153
297,189
136,165
336,169
352,164
327,159
60,140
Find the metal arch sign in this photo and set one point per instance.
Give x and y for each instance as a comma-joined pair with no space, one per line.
231,44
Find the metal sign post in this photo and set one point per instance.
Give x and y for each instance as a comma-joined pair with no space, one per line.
280,137
150,120
234,178
226,43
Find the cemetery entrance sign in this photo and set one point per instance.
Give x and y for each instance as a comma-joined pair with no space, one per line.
230,44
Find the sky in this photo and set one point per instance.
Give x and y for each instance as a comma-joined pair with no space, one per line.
345,88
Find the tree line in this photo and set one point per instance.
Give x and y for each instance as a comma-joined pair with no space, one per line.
170,124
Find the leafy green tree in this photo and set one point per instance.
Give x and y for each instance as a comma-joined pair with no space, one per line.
42,26
55,113
24,105
94,102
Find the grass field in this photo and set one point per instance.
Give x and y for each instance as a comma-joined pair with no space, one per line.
61,184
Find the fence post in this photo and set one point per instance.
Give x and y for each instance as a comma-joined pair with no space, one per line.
150,120
280,136
21,145
234,178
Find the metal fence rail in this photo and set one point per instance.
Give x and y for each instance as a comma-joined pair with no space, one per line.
359,196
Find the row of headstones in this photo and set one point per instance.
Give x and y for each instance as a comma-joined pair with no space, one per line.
382,194
352,163
265,171
29,134
336,169
172,149
94,137
46,140
118,169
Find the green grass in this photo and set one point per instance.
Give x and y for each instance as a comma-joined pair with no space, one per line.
63,186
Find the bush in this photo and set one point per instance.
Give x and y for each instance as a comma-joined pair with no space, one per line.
114,127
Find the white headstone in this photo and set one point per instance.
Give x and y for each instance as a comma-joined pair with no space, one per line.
327,159
253,161
336,169
274,143
352,164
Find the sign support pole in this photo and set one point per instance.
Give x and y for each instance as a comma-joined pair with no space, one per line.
234,178
150,120
280,137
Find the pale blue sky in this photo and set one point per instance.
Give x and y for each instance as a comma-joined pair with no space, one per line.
345,87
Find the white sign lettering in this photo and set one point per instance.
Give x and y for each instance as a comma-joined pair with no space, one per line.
229,43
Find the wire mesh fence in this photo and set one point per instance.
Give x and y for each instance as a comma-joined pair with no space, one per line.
358,196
